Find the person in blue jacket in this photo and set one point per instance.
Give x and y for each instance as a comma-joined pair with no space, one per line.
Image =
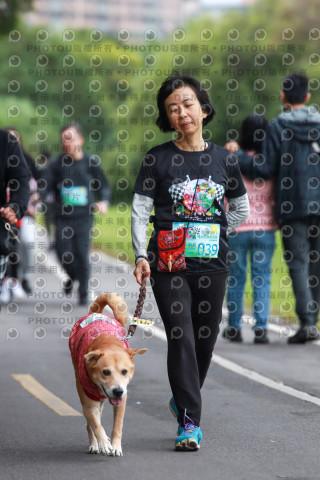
290,153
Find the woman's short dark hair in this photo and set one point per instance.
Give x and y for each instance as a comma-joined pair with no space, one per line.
178,80
252,132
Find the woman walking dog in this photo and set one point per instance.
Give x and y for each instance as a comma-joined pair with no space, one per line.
185,180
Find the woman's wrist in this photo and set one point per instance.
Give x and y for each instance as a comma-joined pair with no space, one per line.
141,257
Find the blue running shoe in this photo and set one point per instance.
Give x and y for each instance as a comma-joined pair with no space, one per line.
189,438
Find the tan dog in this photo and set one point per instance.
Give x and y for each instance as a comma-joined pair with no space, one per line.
104,366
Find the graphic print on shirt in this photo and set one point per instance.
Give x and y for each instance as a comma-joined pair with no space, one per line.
196,197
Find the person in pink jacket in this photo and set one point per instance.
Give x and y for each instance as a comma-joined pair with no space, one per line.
254,238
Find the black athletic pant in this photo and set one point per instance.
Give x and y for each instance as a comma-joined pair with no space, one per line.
190,306
301,242
73,241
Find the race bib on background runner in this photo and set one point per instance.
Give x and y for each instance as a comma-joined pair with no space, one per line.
75,196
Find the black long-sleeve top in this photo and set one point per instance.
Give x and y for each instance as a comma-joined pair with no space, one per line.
77,185
14,175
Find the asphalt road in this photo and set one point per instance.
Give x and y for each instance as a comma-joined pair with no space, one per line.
251,431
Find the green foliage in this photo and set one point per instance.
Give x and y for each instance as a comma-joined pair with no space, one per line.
9,12
110,86
16,110
113,233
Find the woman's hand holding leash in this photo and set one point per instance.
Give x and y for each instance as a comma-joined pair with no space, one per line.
142,270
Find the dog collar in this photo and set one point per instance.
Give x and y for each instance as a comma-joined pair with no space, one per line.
94,317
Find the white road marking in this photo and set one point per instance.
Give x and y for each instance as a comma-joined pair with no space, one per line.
267,382
251,374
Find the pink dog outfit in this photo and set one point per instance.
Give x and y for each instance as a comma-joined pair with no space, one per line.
83,333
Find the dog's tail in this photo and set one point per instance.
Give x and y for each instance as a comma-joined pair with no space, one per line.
116,303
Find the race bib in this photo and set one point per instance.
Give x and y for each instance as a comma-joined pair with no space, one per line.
202,239
75,196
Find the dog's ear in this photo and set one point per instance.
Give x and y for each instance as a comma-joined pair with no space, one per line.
93,357
134,351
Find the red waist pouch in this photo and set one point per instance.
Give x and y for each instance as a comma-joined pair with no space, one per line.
171,250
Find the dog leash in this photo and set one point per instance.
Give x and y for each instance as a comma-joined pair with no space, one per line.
136,320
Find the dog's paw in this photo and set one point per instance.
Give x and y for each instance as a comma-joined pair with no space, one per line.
117,450
106,448
117,453
93,448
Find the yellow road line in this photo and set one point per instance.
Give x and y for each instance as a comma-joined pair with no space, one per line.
29,383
